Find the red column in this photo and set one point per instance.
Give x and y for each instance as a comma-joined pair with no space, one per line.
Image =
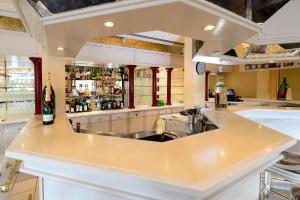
131,85
154,85
38,86
206,85
169,76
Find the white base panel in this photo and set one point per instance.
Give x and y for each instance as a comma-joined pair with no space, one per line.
247,189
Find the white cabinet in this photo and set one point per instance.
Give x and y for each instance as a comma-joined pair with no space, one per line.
124,122
119,123
84,122
8,133
165,111
150,119
100,123
177,110
136,122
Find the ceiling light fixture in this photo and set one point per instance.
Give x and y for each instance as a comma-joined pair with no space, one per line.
209,27
271,61
60,48
109,24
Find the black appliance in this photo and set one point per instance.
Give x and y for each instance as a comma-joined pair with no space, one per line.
232,97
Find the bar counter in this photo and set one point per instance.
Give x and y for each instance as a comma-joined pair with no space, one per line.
220,164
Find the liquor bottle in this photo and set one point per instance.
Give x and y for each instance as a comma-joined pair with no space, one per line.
104,104
93,90
86,92
67,106
220,93
67,73
114,103
118,104
93,74
48,104
82,75
85,106
109,104
284,86
52,95
98,74
77,106
72,106
80,106
80,90
72,75
88,75
98,104
74,91
77,74
53,100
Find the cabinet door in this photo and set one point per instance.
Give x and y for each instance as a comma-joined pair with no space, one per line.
8,138
165,111
84,122
149,122
100,126
177,110
119,126
136,125
10,132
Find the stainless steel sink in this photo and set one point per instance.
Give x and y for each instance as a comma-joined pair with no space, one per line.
164,130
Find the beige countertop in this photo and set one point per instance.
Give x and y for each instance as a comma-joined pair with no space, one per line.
193,164
137,108
271,100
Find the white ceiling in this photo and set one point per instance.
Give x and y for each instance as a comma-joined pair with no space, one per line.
282,27
181,17
7,9
159,37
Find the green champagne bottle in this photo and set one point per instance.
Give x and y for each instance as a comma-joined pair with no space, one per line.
48,106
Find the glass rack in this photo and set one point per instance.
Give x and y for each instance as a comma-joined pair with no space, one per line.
16,86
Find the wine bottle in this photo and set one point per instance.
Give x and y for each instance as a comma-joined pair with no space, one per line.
52,95
72,106
77,106
85,106
48,104
67,106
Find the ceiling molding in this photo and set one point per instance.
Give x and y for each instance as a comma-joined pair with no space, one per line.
7,13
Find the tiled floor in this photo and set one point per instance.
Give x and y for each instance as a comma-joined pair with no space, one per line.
25,187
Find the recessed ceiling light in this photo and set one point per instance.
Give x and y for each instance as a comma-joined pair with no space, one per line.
209,27
109,24
271,61
60,48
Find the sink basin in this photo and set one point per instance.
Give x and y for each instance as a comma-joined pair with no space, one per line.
157,138
164,130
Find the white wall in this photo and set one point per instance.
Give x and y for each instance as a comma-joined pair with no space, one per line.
194,84
56,65
18,43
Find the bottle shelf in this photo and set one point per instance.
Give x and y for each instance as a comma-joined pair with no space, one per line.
9,87
89,80
17,101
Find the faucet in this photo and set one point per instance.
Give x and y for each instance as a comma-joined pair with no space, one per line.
195,120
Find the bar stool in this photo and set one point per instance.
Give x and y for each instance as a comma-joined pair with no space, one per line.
282,180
